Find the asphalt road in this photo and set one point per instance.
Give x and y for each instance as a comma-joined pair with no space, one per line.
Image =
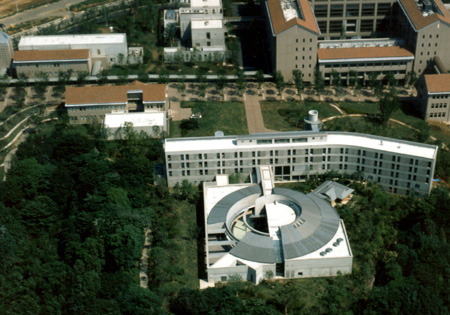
53,9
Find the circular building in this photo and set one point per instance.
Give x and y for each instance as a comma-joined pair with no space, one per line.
260,231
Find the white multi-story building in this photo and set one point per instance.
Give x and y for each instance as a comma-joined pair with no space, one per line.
398,166
109,49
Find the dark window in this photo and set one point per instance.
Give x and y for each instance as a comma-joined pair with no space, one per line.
383,8
321,10
368,10
352,10
336,10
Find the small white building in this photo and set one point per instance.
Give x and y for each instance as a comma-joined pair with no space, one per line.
152,123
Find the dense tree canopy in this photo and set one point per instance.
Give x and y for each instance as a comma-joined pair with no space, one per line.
75,210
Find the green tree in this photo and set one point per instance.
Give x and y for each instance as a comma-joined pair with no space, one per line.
259,77
163,77
241,81
391,80
41,85
298,81
221,82
411,79
279,82
81,78
373,80
319,82
387,105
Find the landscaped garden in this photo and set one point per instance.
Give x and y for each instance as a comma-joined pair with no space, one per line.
228,117
288,116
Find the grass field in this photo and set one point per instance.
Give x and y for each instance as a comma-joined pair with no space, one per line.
359,108
228,117
288,116
369,126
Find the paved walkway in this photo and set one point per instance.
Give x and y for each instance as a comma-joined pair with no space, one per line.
177,112
255,120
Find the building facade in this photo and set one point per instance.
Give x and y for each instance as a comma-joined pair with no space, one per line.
364,61
397,166
6,51
425,26
343,20
34,62
292,37
434,96
91,103
302,34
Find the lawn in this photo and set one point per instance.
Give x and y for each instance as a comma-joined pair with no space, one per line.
372,126
359,108
228,117
288,116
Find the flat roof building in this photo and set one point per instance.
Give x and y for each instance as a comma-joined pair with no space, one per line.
152,123
398,166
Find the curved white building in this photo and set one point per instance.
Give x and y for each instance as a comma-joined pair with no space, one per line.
402,167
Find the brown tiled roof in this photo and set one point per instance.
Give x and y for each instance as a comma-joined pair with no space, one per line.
279,24
41,55
416,17
437,83
362,52
114,94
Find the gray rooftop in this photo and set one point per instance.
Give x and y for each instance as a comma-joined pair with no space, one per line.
332,190
316,225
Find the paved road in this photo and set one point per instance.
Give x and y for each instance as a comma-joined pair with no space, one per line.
53,9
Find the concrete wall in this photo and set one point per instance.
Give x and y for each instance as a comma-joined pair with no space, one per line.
321,267
295,48
88,114
32,69
208,37
431,41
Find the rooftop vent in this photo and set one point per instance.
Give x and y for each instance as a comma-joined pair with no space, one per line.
329,250
323,253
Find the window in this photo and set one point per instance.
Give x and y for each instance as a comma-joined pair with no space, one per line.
383,8
321,11
336,10
368,9
335,26
208,35
352,10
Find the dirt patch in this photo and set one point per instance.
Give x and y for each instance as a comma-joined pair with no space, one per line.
443,128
